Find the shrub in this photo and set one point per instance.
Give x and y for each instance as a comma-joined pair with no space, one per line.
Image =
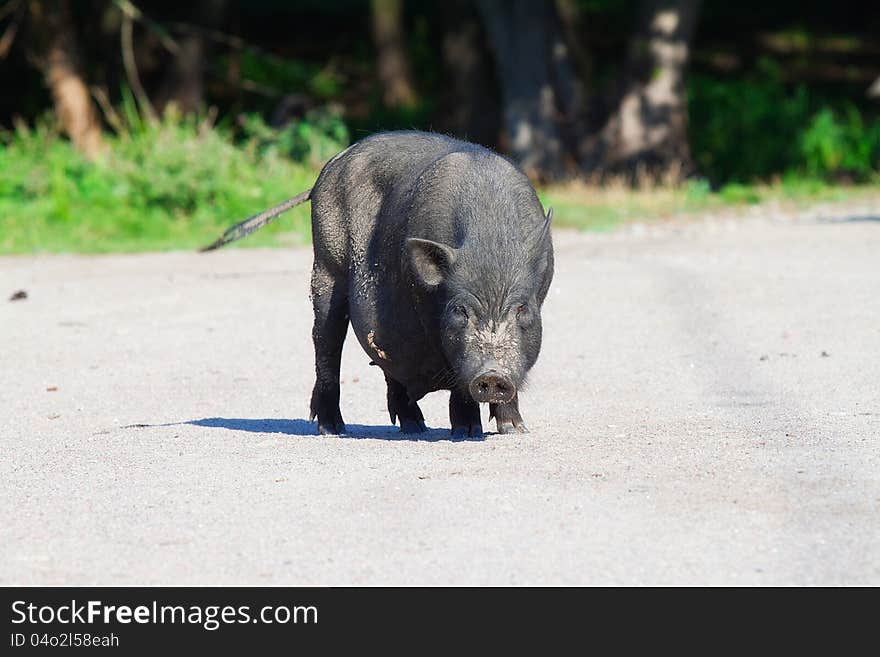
175,184
313,140
841,144
747,128
757,128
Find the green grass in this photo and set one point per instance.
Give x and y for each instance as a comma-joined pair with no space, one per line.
593,208
177,185
170,186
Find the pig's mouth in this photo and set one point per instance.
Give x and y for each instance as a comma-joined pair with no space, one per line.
492,387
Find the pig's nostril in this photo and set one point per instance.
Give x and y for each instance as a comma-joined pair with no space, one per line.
492,387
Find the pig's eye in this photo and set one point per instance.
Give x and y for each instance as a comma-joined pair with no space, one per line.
522,311
460,312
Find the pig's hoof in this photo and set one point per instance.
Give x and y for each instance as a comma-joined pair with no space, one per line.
401,407
329,423
512,427
325,406
331,428
467,431
412,426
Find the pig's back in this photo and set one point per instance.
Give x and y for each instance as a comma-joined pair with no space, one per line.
369,176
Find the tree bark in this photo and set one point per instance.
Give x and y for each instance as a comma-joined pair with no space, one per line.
520,33
60,63
394,73
184,85
470,107
569,43
647,129
568,74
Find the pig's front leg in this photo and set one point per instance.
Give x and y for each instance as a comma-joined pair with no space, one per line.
464,415
507,417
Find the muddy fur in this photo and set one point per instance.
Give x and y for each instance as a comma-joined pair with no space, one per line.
487,254
439,255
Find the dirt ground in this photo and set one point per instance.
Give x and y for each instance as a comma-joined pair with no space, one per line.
706,410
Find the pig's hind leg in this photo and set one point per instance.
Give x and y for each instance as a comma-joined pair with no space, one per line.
330,303
400,406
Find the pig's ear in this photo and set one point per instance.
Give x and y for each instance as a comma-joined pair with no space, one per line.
430,261
540,237
542,255
544,230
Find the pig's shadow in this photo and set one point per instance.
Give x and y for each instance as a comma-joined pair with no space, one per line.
301,427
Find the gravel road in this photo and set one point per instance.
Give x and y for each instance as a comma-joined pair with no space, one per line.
706,410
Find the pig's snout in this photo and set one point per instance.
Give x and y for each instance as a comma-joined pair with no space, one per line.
492,387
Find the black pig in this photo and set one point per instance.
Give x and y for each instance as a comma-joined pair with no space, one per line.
439,254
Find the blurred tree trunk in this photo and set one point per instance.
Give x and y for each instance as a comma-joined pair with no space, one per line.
569,72
60,62
184,85
647,129
521,33
569,37
394,73
470,107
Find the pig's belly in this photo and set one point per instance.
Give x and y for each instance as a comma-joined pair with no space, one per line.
393,338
